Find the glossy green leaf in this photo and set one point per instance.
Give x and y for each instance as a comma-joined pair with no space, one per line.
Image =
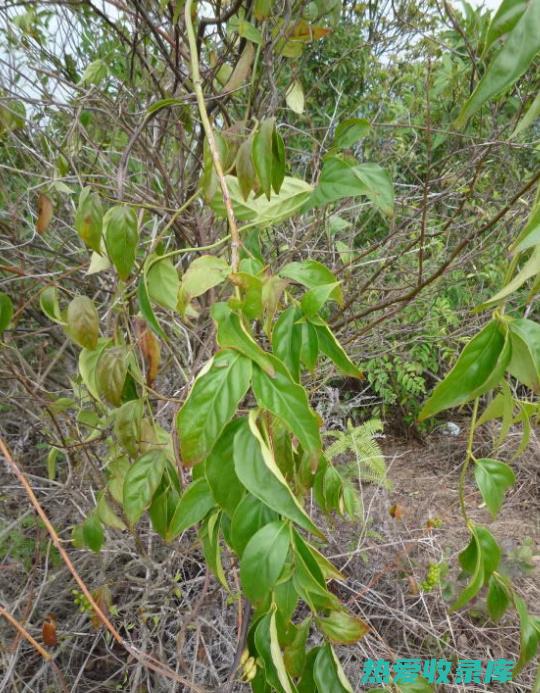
309,353
219,470
269,653
525,361
251,290
328,674
211,404
288,400
312,274
479,559
83,322
294,655
493,478
232,334
162,509
330,346
480,367
89,219
92,533
350,131
121,235
314,299
140,484
6,311
195,502
498,597
341,178
259,473
287,340
110,374
504,19
511,61
261,152
342,627
263,559
162,281
250,515
260,211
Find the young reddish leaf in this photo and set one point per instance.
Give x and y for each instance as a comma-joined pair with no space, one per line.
151,352
45,214
48,631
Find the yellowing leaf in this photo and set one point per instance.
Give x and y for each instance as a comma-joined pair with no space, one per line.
45,213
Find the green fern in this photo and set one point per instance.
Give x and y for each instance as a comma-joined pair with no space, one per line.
361,440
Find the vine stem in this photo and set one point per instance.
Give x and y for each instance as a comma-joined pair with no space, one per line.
145,659
209,132
470,456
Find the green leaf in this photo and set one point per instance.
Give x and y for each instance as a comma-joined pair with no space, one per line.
278,161
497,597
259,473
140,484
232,334
249,516
479,368
287,340
245,169
219,469
162,281
209,534
121,237
195,503
95,72
309,353
330,346
146,309
349,131
211,404
110,374
511,61
525,362
265,644
294,655
530,234
261,153
342,627
48,301
530,269
127,425
532,115
288,400
203,274
504,19
529,628
89,219
341,178
6,311
312,274
162,510
92,533
83,322
493,478
52,458
328,674
259,211
107,515
294,96
263,559
480,559
88,361
314,299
